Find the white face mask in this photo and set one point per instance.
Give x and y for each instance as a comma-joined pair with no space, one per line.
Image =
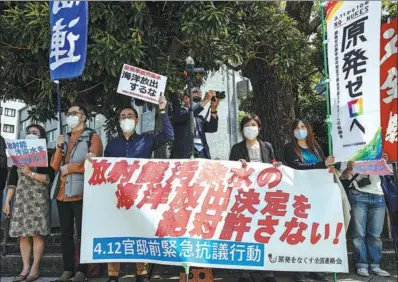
72,121
31,136
127,125
250,132
301,134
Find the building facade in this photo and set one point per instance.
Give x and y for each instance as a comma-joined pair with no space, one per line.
9,116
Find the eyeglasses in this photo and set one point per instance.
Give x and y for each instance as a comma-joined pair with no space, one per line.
123,117
73,114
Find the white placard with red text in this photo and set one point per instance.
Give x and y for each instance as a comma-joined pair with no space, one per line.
212,214
141,84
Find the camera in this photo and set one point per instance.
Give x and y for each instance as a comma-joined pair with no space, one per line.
364,182
220,95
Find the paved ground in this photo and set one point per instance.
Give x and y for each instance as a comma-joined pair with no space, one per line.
234,278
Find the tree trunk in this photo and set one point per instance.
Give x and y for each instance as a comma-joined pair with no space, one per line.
273,101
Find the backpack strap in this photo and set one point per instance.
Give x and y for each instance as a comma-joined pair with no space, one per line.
207,114
90,136
352,180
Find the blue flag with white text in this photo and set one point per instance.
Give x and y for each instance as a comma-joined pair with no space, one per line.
69,25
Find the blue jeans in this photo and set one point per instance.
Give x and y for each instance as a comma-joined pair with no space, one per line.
367,211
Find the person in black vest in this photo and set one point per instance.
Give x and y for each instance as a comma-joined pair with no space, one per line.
253,149
182,145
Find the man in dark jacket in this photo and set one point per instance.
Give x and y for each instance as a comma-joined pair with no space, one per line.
182,145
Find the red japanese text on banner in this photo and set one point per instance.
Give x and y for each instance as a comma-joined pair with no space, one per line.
389,88
212,214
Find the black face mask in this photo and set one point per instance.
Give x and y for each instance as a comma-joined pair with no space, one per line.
197,99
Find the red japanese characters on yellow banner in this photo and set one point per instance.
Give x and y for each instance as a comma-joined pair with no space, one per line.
389,88
212,214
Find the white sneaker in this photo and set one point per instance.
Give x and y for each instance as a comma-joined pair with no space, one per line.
380,272
363,272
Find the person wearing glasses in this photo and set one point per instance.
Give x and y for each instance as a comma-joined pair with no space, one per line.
68,160
130,144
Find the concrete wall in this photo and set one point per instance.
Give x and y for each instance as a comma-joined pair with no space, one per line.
221,142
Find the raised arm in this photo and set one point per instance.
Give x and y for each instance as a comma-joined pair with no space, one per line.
167,133
211,126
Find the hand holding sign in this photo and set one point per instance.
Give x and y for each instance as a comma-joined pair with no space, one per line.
162,103
329,161
90,156
26,170
350,165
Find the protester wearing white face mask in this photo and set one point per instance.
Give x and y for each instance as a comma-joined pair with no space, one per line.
130,144
253,149
31,210
303,152
69,159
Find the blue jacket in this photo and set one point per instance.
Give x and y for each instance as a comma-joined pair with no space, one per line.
140,146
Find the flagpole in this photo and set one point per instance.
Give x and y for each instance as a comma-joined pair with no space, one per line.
59,107
326,82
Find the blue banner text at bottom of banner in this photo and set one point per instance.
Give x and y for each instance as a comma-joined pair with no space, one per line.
184,250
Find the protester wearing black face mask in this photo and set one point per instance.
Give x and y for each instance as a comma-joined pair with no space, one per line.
182,145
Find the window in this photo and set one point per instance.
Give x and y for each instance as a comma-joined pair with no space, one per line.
51,135
24,124
1,111
8,128
9,112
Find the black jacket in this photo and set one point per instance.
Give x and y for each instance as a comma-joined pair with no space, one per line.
239,151
293,160
3,163
182,144
3,155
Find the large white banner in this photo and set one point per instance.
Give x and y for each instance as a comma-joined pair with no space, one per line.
212,214
353,29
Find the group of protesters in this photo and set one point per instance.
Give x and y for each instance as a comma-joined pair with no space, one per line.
29,186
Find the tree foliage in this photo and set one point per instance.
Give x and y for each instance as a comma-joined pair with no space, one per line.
267,41
144,34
